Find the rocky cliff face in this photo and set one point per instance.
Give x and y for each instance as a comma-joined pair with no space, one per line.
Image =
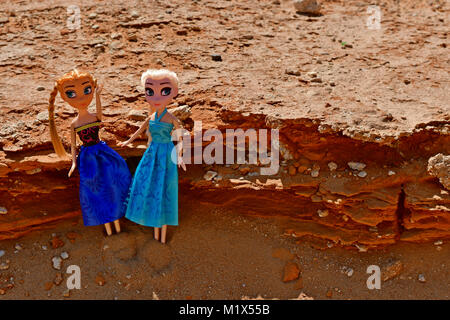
359,112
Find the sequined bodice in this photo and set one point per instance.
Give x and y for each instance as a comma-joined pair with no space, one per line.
89,133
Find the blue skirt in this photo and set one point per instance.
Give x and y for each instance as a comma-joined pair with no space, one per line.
104,183
153,200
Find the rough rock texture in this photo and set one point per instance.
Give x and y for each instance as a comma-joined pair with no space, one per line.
336,91
439,167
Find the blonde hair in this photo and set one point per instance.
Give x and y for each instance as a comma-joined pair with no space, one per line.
72,75
159,74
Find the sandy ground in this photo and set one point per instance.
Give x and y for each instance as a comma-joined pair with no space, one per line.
212,254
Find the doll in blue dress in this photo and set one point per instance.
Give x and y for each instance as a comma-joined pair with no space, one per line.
153,196
104,174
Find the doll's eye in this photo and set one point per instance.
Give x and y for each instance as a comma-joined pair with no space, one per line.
149,91
166,91
88,90
71,94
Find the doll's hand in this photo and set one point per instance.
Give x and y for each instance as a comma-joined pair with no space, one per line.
123,143
99,88
72,169
181,163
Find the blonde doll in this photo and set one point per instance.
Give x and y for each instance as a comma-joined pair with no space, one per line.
104,175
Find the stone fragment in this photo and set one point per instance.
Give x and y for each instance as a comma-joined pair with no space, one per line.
356,165
332,166
322,213
138,115
439,167
392,270
209,175
307,6
291,271
56,261
421,277
182,112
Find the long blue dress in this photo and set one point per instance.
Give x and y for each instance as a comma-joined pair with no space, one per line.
104,178
153,199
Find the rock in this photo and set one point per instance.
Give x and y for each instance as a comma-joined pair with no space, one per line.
40,88
2,253
391,173
115,36
322,213
138,115
356,165
216,57
315,173
329,293
361,247
58,279
421,278
436,243
209,175
332,166
100,280
2,292
182,112
3,210
392,270
64,255
292,72
134,14
132,37
291,271
347,270
439,167
292,170
362,174
18,247
56,243
4,266
57,263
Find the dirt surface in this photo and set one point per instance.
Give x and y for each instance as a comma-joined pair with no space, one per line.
213,254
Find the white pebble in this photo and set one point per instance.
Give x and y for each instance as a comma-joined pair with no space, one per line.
362,174
391,173
64,255
57,263
356,165
2,253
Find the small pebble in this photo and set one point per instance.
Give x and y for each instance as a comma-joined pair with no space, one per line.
56,263
391,173
40,88
64,255
421,278
362,174
2,253
18,247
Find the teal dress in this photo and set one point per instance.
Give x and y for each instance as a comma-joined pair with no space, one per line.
153,197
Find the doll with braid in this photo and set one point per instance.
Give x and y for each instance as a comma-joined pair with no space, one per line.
104,174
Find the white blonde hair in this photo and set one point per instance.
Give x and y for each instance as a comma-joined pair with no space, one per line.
159,74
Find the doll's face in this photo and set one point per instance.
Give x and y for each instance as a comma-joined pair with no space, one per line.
159,93
78,93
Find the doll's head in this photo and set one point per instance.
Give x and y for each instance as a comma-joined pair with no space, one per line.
161,86
77,89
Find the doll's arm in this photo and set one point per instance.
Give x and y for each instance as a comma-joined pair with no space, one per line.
98,103
136,134
179,134
73,149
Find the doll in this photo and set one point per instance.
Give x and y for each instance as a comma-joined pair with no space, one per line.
104,174
153,198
